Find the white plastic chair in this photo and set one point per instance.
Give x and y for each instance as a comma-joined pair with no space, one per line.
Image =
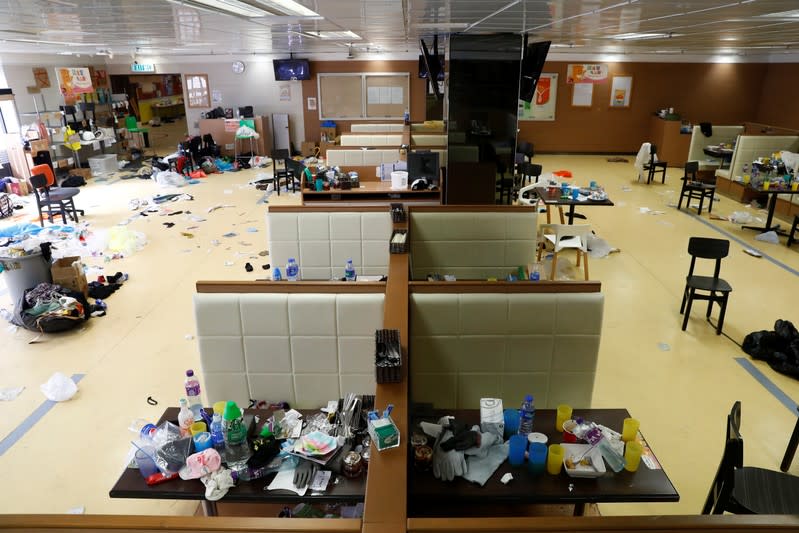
565,237
539,181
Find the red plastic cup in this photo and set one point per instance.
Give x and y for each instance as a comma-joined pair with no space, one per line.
569,437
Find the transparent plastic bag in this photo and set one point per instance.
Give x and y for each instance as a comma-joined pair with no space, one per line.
171,456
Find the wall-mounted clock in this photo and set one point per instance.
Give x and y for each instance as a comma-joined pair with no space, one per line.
237,67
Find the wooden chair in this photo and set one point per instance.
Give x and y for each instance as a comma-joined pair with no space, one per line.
712,288
565,237
51,199
654,166
692,189
790,451
748,490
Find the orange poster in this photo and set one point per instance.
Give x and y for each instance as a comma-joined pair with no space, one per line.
74,81
542,91
586,73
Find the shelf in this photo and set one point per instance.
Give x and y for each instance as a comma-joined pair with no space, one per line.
373,192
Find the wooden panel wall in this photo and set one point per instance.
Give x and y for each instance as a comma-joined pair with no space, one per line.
309,89
778,97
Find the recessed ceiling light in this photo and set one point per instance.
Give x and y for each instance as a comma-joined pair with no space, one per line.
289,7
793,14
642,36
337,35
232,7
441,26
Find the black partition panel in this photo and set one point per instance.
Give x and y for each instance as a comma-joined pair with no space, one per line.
483,101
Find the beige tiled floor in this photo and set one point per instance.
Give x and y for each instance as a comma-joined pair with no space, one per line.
681,395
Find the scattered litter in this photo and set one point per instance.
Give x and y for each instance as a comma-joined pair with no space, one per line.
248,267
215,207
506,478
266,266
197,218
252,230
192,227
626,188
77,510
752,252
664,346
59,388
598,247
768,236
188,336
187,235
245,243
263,253
230,234
10,393
173,213
215,242
168,224
740,217
229,263
714,216
227,191
647,211
617,160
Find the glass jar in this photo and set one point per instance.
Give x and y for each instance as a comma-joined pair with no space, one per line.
352,465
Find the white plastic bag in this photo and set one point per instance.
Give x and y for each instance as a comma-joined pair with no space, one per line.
59,388
768,236
740,217
167,178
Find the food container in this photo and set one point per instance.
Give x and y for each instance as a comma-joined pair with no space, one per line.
352,465
591,455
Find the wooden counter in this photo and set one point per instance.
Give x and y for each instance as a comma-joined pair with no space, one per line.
370,192
672,145
216,127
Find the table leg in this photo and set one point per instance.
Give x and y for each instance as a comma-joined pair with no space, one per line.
579,509
772,205
209,508
791,450
572,215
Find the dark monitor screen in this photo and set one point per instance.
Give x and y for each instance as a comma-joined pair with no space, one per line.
291,69
423,165
423,67
532,63
296,167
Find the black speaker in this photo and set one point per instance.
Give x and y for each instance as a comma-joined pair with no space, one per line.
246,112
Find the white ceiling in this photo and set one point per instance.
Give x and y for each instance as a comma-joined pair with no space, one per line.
765,30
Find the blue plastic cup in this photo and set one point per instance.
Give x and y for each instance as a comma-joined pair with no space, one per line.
575,193
511,417
146,464
593,185
518,445
537,455
202,441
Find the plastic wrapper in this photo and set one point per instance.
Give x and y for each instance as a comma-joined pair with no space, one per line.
593,435
125,241
171,456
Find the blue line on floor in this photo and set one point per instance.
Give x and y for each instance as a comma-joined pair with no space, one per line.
742,242
27,424
770,386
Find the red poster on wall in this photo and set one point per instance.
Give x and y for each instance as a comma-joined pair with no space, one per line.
542,91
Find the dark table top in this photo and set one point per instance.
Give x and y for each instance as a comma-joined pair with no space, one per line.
715,151
552,196
644,485
131,484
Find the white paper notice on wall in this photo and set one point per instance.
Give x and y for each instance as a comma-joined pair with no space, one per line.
216,96
373,95
396,95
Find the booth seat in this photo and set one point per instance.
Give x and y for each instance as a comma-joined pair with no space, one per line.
721,134
372,139
305,349
471,242
465,346
349,157
378,128
750,147
321,241
428,139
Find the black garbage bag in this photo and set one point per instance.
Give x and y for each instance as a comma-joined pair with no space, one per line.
779,348
51,322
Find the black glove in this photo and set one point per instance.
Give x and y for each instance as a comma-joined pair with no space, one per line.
462,441
303,474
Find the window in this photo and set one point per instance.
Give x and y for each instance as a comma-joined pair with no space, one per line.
197,90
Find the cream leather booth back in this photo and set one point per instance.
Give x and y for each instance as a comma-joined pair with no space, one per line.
370,139
305,349
750,147
321,242
356,157
378,128
721,134
467,346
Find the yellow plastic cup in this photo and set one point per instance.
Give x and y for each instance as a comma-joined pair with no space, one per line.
198,427
632,455
766,184
555,459
219,407
795,185
564,414
630,429
747,179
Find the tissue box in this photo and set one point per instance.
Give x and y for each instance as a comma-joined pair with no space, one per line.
384,433
68,272
492,418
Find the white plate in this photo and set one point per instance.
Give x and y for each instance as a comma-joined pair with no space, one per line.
576,450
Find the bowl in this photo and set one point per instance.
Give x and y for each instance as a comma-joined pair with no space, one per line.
597,467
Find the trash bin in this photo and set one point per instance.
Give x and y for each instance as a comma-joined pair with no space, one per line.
24,272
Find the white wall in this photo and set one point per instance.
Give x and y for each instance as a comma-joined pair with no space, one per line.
256,86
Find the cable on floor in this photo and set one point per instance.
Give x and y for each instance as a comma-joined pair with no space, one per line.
738,344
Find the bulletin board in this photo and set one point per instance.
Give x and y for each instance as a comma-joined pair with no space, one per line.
340,96
386,96
363,95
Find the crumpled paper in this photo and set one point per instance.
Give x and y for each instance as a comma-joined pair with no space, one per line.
59,388
10,393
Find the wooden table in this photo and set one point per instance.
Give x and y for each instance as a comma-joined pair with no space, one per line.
725,154
131,485
772,204
552,196
370,193
425,492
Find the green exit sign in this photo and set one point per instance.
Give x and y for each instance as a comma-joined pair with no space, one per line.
142,67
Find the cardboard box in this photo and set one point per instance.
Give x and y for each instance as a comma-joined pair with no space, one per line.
327,133
307,148
68,272
85,172
323,146
39,146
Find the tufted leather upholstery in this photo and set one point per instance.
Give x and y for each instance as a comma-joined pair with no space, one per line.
379,128
344,157
370,139
721,134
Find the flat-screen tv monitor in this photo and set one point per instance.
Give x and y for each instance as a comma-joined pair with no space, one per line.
291,69
423,67
423,165
535,55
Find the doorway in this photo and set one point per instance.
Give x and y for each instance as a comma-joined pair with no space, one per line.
156,100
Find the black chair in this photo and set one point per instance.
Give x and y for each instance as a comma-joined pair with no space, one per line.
526,149
281,170
654,166
504,186
790,451
748,490
55,201
713,288
693,189
791,236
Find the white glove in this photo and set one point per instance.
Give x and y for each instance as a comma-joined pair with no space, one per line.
447,465
217,484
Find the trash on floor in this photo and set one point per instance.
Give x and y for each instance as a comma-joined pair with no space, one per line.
9,394
59,388
768,236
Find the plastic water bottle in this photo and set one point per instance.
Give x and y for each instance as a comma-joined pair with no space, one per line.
185,418
349,271
526,415
218,434
193,394
276,276
292,270
237,451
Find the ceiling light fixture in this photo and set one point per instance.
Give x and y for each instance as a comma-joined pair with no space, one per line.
230,7
289,7
642,36
337,35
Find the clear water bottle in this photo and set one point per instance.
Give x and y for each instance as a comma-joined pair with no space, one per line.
292,270
349,271
193,394
185,418
217,430
276,276
237,451
526,415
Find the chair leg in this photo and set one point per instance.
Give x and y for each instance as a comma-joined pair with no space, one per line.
562,218
679,202
585,264
710,205
688,309
701,201
664,177
684,299
721,313
554,265
790,451
710,304
549,220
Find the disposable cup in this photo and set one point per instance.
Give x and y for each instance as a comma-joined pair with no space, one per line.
518,443
575,193
538,458
564,414
766,185
795,185
219,407
198,427
630,429
632,455
747,179
511,417
146,464
555,459
202,441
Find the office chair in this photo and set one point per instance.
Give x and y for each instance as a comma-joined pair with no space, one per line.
53,200
745,489
692,189
654,166
713,288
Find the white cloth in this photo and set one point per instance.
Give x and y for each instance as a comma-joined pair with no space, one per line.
790,159
481,468
217,484
59,388
643,157
248,132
